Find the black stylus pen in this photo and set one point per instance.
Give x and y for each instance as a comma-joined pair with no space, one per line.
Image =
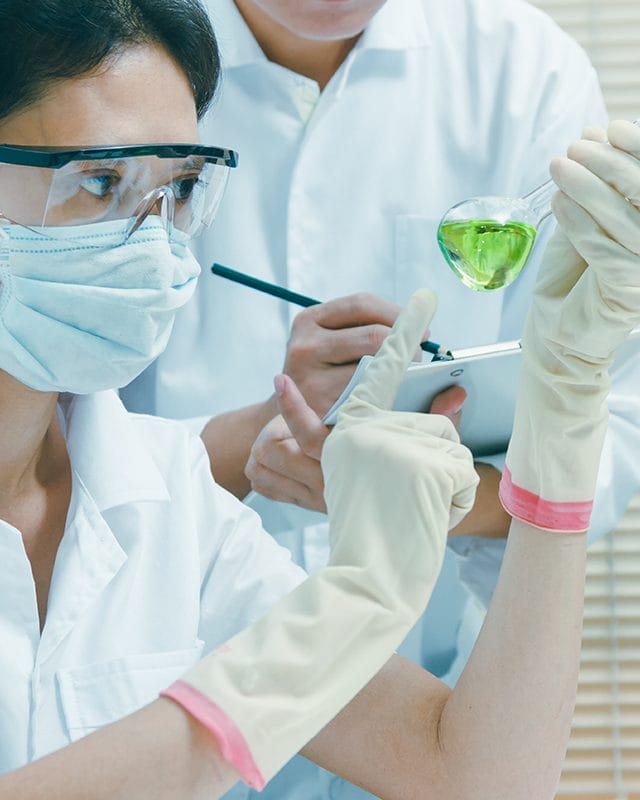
301,300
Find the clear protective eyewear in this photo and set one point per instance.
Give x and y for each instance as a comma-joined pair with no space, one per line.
57,191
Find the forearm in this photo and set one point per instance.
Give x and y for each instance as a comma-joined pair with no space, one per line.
229,438
158,753
487,518
501,733
504,728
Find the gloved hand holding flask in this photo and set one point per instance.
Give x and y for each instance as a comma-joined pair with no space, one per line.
392,480
586,302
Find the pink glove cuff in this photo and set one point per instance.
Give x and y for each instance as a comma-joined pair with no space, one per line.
531,508
233,746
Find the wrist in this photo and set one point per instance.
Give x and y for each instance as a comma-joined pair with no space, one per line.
229,438
554,453
265,412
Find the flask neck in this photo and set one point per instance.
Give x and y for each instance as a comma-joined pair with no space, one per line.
539,200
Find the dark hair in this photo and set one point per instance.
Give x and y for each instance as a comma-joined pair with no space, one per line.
43,41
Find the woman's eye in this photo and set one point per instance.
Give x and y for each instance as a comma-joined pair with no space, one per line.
183,188
100,185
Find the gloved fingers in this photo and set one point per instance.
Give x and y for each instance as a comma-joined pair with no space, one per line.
593,243
456,461
434,428
381,380
610,291
615,167
619,218
561,268
625,135
440,459
399,436
594,133
463,500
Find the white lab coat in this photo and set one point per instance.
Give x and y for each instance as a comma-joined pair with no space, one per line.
342,191
157,565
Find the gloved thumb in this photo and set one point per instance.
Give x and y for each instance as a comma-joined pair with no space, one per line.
381,380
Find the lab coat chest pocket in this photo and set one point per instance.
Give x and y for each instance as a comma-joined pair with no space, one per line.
95,695
464,317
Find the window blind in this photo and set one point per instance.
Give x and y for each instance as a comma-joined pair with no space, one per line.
603,757
609,30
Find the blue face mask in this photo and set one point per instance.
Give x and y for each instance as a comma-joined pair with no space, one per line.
85,313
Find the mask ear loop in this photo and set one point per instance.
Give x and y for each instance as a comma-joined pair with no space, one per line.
162,196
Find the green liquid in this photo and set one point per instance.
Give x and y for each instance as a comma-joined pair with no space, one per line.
486,254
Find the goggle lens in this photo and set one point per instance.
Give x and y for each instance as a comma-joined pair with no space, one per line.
184,193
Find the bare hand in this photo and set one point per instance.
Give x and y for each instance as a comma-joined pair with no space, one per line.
284,463
449,403
328,340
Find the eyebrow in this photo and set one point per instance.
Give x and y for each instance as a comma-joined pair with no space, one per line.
99,164
193,162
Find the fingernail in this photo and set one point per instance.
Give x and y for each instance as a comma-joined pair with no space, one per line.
279,384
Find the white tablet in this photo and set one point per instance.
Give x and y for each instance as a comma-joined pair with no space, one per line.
489,375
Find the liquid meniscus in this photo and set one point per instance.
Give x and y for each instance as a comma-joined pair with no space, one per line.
486,254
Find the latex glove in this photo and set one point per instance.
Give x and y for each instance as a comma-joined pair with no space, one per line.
586,301
390,481
284,463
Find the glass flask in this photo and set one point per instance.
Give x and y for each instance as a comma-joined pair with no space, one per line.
487,240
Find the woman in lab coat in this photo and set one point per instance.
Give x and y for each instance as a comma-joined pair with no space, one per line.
122,562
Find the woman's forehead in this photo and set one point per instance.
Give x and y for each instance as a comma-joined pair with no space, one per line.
140,96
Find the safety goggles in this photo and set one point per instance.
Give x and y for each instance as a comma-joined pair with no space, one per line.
57,191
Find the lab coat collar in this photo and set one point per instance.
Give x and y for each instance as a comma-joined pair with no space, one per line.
107,453
399,25
237,44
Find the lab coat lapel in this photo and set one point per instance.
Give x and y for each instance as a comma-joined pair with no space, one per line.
110,467
88,559
18,603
